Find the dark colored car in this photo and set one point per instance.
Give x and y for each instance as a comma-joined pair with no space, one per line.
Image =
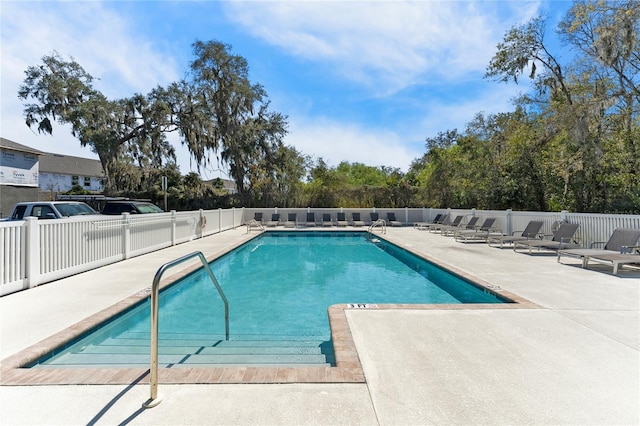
132,207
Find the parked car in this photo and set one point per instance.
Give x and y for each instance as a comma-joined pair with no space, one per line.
50,210
130,206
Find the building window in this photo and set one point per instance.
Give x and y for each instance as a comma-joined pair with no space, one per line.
74,180
87,181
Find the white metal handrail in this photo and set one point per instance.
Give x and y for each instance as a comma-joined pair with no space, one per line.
378,223
155,290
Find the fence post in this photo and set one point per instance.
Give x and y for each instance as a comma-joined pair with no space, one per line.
202,222
406,215
564,216
219,220
32,252
508,223
233,217
126,236
173,227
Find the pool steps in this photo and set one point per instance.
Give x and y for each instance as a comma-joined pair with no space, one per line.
131,350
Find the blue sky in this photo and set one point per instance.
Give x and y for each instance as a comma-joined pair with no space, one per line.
361,81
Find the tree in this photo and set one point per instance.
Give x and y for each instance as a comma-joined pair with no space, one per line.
524,48
215,110
115,130
218,109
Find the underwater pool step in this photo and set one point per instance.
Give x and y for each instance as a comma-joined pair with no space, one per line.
130,351
201,350
232,337
168,360
119,341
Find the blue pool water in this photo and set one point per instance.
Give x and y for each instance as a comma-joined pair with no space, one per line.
279,286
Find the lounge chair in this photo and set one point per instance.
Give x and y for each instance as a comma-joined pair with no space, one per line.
453,225
479,234
326,219
275,220
448,232
619,239
341,219
355,220
374,217
562,239
256,222
391,219
445,220
425,225
530,232
292,221
311,219
616,259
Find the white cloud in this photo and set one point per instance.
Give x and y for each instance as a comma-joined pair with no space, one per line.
336,141
440,116
385,45
101,41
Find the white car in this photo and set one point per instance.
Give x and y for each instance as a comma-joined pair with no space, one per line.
50,210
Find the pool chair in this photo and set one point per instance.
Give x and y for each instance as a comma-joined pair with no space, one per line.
478,235
355,220
311,219
425,225
256,222
562,239
531,231
292,221
342,219
275,220
326,219
455,225
615,259
469,226
445,220
619,242
391,219
374,217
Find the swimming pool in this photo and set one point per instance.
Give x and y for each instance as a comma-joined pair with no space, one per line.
279,286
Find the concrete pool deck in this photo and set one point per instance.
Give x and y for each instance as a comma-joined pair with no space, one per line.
574,359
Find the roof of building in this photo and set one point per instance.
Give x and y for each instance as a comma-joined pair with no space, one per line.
15,146
58,163
70,165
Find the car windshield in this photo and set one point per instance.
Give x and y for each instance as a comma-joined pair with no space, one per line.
74,209
149,208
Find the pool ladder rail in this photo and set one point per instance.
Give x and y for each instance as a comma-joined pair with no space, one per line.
380,223
155,290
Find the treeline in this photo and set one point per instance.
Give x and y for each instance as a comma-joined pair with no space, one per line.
572,143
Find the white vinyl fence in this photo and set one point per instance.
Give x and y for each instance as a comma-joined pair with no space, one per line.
593,227
36,251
